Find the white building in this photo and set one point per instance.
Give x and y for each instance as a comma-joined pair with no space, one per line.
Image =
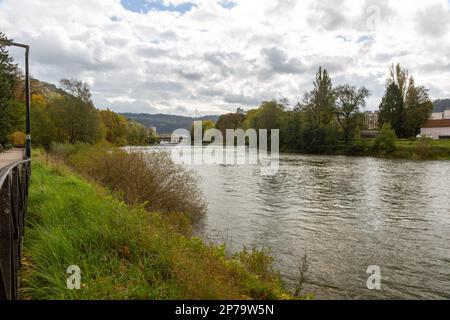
371,119
440,115
436,129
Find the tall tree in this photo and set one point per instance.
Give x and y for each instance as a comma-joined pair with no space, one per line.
418,108
349,100
319,103
392,109
404,105
74,117
9,76
230,121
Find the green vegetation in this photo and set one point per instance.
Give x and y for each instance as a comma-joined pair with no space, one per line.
59,115
125,251
329,120
404,106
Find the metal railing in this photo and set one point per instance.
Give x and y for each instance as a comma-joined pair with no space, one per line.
14,183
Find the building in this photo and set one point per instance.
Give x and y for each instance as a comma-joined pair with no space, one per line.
440,115
371,120
436,129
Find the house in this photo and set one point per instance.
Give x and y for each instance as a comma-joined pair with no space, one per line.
436,129
440,115
371,120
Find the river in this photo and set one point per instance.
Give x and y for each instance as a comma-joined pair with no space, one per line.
346,214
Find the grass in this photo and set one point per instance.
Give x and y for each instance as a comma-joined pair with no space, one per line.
124,251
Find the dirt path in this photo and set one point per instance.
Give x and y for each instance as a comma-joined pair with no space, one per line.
10,156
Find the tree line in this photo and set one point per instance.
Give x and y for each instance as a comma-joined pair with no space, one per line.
329,118
64,115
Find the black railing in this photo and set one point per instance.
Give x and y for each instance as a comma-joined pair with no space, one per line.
14,182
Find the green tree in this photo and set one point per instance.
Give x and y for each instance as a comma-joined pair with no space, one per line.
230,121
9,77
392,109
319,104
404,105
206,125
385,142
116,127
418,108
73,116
349,100
270,115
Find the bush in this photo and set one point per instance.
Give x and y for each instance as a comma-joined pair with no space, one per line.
62,151
17,139
385,142
138,178
424,148
357,147
319,140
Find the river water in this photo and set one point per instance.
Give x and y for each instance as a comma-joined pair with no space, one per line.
346,214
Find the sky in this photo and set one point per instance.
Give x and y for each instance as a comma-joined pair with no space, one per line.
202,57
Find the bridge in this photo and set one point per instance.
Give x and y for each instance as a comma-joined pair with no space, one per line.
167,139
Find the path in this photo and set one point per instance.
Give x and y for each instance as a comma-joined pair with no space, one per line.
10,156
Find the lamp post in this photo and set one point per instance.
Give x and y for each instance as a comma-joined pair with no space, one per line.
27,92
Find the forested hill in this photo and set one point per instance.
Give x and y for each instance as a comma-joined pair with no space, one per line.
441,105
166,123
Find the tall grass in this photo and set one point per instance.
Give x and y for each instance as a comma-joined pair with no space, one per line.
152,180
124,251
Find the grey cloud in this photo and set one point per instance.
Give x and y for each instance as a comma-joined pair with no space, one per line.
242,99
193,76
279,62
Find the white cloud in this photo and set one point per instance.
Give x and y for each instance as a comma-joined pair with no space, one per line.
219,56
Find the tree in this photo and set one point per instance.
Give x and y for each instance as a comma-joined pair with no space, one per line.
74,120
9,76
349,100
43,128
318,104
392,108
230,121
270,115
404,105
385,142
78,89
116,127
206,125
418,108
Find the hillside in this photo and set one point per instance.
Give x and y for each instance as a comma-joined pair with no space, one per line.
441,105
166,123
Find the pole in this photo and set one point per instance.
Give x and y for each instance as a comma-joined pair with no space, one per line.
27,93
28,105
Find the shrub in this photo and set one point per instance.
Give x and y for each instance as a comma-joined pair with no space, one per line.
150,179
424,148
319,140
17,139
357,147
385,142
62,151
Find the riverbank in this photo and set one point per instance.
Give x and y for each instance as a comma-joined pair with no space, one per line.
123,251
404,149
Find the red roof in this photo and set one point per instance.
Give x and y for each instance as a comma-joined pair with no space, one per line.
437,123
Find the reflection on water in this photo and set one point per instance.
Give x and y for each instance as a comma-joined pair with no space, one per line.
346,213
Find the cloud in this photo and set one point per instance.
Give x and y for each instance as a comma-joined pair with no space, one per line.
210,56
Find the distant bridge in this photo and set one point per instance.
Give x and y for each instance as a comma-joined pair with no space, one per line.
167,139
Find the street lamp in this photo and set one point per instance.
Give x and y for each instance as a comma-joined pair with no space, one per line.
10,43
